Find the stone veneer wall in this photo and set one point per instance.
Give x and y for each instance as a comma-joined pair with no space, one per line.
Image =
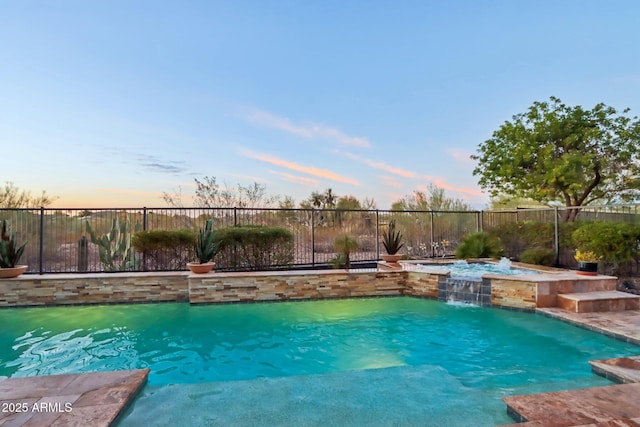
103,288
513,293
284,286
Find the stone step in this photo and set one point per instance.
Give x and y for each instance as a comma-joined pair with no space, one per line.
589,302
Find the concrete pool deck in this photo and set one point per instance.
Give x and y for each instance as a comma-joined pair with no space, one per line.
91,399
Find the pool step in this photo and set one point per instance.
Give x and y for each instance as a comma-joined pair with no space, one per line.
589,302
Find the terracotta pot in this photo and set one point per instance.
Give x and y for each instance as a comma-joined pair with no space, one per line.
392,258
198,268
8,273
587,268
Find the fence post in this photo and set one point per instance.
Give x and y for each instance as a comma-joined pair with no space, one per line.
41,254
556,237
235,216
433,248
144,228
377,234
83,254
313,239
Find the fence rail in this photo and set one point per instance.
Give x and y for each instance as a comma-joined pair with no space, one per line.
57,238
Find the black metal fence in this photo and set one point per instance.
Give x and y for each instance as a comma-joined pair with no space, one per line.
57,239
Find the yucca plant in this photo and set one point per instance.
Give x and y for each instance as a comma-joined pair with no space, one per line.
392,239
10,253
206,246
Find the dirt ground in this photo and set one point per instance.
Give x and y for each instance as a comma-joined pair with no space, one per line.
629,284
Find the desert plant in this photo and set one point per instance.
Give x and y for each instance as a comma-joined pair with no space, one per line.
538,256
165,249
10,252
344,245
255,247
479,245
392,239
114,247
613,243
206,245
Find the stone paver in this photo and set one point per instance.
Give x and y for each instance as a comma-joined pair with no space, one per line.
91,399
624,325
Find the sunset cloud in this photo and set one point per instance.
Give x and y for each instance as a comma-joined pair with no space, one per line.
309,170
297,179
379,165
439,182
390,181
306,130
460,156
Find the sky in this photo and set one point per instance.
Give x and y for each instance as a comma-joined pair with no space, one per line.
110,103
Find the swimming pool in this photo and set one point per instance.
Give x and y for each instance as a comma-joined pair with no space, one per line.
338,362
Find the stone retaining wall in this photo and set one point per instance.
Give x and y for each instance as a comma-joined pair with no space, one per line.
103,288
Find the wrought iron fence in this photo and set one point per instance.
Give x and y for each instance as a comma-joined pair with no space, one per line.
58,241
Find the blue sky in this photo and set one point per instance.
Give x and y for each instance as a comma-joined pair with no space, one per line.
110,103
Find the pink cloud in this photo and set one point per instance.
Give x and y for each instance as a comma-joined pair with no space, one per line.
309,170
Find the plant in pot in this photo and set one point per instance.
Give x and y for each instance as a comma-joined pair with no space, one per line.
10,253
587,262
392,241
206,248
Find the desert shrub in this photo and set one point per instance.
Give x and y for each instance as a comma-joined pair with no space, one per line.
616,243
165,249
254,247
538,256
516,237
343,245
479,245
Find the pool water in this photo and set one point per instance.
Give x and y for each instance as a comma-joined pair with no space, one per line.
393,360
477,269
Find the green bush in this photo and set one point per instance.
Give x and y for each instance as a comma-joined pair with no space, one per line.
343,245
616,243
254,247
479,245
165,249
538,256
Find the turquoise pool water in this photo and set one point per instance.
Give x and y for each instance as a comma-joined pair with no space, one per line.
392,361
476,269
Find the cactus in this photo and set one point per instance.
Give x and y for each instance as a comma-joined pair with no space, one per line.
392,239
206,246
9,252
114,247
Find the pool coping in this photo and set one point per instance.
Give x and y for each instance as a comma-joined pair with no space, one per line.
95,398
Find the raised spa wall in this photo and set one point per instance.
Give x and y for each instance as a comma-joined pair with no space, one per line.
521,292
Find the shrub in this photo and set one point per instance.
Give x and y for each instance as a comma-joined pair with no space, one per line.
538,256
165,249
343,245
254,247
479,245
616,243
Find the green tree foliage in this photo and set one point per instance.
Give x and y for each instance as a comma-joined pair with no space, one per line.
434,199
562,154
12,197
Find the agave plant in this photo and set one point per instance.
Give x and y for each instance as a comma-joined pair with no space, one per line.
392,239
10,253
206,246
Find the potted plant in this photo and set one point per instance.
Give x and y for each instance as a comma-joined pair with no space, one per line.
587,262
392,241
206,248
10,253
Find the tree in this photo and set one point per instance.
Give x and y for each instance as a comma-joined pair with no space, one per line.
209,194
555,153
12,197
435,199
